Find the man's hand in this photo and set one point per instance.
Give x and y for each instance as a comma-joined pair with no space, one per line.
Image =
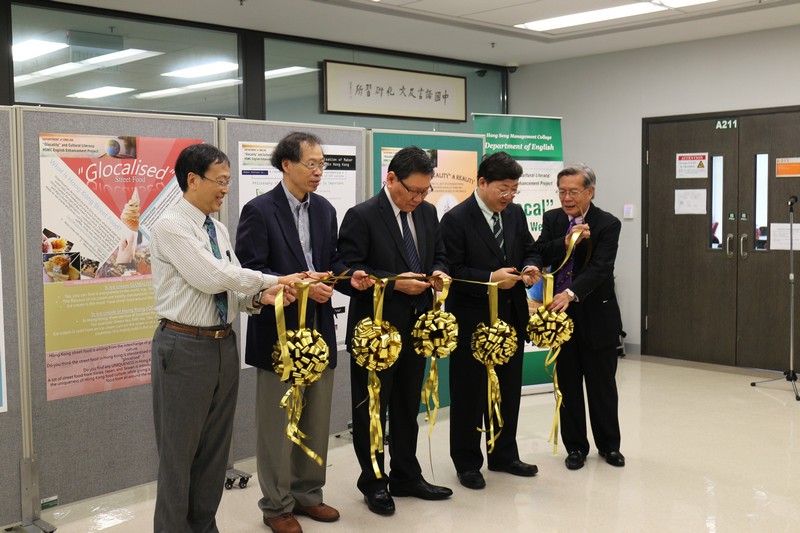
361,281
584,233
320,292
530,275
291,279
560,302
411,286
505,277
268,295
437,280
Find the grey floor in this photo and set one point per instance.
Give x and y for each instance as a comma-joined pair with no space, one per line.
706,452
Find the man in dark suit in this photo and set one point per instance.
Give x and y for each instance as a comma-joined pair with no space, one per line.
585,290
290,229
394,233
487,239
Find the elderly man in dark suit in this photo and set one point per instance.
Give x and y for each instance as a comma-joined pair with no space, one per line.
394,233
487,239
290,229
585,290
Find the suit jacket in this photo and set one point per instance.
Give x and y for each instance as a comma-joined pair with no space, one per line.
474,254
371,240
267,240
596,313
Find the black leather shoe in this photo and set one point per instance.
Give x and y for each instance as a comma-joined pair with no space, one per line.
420,489
517,468
380,502
575,460
472,479
614,458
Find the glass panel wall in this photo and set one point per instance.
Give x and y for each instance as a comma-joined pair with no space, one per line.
76,59
294,86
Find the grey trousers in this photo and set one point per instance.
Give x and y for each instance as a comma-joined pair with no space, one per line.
195,382
286,474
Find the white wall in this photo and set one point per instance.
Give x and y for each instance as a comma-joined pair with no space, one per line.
604,98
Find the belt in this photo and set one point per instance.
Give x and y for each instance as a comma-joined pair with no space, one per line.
214,333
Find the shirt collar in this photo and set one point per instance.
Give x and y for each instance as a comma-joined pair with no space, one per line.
191,211
484,209
391,203
293,201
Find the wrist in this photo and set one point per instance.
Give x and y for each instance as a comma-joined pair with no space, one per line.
572,297
257,300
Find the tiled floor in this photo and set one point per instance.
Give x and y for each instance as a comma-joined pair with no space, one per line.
706,452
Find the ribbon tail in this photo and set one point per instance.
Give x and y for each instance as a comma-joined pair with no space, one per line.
494,402
559,401
375,426
292,401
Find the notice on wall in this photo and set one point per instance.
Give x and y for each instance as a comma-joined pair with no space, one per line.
338,186
101,196
3,393
787,167
690,201
691,165
780,238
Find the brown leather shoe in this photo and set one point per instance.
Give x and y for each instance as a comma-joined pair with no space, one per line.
320,512
285,523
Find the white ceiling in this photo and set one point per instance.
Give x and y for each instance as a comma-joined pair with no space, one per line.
472,30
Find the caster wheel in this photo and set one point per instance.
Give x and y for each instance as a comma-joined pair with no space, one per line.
229,484
242,483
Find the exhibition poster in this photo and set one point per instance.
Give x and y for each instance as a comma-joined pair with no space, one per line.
100,197
338,186
454,175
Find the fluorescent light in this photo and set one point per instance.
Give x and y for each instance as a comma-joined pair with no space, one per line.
205,86
101,92
199,71
682,3
34,48
287,71
590,17
68,69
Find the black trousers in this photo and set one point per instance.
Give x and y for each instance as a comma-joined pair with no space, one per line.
401,385
469,406
578,363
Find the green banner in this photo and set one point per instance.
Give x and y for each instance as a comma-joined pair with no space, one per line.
525,138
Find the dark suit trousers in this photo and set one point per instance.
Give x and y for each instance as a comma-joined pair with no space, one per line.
469,408
195,382
576,363
401,385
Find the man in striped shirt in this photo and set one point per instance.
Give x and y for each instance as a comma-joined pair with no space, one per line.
199,288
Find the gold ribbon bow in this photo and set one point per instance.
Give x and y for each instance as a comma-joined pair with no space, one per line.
376,345
493,345
299,357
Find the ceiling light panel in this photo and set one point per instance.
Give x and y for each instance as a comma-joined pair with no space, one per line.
592,17
34,48
102,92
207,69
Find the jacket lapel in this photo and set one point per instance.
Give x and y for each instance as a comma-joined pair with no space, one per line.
482,227
387,214
285,219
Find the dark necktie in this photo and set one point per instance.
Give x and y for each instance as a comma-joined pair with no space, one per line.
420,300
564,276
497,229
221,298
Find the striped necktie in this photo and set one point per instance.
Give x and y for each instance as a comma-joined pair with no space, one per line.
221,298
564,276
420,301
497,229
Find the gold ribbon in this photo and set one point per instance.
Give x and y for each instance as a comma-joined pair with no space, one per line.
376,345
299,357
493,345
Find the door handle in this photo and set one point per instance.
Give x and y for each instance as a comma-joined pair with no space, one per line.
728,241
742,240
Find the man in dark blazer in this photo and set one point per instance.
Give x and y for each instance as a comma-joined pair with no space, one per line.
291,229
487,239
585,290
372,239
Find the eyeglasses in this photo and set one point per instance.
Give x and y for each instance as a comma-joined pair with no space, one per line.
416,194
222,184
506,194
572,193
314,166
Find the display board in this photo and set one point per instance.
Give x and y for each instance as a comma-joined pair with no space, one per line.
249,145
11,451
456,158
97,439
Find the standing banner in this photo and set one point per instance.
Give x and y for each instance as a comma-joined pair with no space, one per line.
100,197
535,142
3,394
